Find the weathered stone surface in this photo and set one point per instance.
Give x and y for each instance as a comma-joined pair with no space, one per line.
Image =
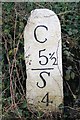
43,57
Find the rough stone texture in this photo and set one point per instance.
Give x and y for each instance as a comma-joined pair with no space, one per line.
42,46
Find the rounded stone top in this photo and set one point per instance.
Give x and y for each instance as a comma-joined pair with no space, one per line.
42,13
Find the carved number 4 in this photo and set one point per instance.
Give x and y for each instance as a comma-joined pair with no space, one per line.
46,99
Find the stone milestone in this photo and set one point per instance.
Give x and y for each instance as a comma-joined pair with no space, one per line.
43,58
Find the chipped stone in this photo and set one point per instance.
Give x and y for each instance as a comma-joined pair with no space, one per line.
43,58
